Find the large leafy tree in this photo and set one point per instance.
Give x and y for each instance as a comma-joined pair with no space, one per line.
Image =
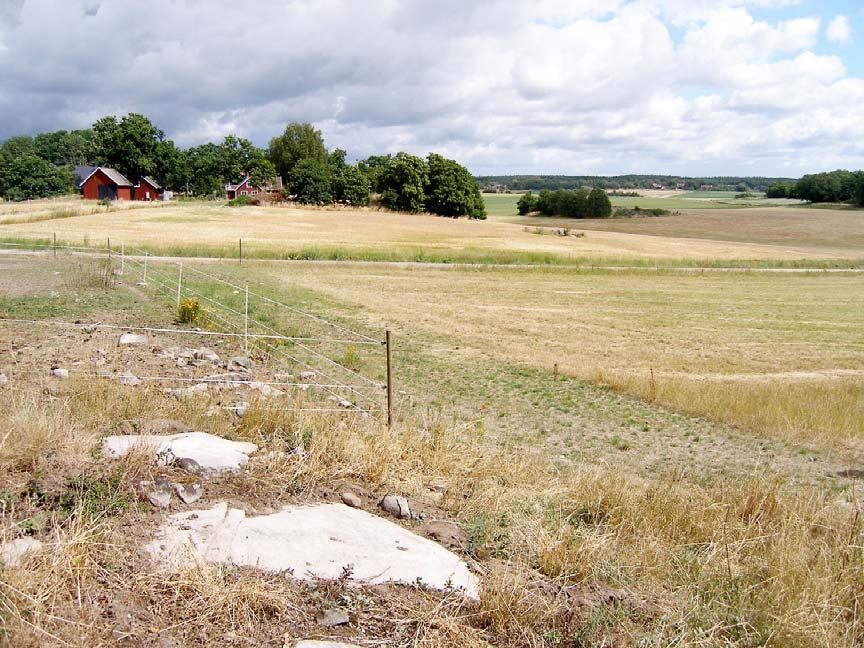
527,204
29,176
835,186
403,183
373,168
130,144
598,204
349,185
452,191
311,182
65,147
299,141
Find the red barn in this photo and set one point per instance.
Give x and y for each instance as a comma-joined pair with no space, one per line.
245,188
105,183
147,189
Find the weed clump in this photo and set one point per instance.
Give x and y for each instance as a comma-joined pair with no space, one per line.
189,311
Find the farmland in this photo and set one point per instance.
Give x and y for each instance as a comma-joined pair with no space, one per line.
690,441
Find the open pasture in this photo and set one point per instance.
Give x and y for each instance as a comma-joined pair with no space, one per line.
776,355
213,229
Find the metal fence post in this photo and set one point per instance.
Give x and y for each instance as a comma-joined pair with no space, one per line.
388,340
246,322
179,284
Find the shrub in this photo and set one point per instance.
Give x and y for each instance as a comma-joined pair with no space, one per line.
311,182
189,311
527,204
239,201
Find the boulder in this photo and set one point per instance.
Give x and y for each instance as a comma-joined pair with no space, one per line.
213,454
188,464
60,372
396,506
326,541
130,339
240,363
446,533
189,493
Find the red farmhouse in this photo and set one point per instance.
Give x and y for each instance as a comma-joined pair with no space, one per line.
147,189
103,183
245,188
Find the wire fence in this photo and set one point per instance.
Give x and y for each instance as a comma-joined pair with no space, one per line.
350,368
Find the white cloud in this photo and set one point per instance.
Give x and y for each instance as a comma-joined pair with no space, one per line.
839,30
580,86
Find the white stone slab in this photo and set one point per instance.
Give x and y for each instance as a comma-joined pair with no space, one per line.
12,552
311,542
213,453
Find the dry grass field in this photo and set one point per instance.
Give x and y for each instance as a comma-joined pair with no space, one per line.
775,354
288,232
636,457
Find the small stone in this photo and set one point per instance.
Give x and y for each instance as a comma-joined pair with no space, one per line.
188,464
332,617
59,372
241,408
396,506
307,375
189,493
345,404
3,379
159,498
206,354
313,643
241,362
351,499
129,379
131,339
438,485
11,553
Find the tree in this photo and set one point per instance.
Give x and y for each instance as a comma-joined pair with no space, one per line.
65,147
859,188
835,186
452,190
527,204
298,142
598,204
130,144
780,190
18,146
311,182
373,168
403,183
350,186
29,176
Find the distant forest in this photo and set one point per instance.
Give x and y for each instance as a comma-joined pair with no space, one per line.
555,182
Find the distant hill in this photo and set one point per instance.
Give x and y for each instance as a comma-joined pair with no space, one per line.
552,182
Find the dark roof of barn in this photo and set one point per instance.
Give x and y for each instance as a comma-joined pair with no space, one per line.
115,176
83,172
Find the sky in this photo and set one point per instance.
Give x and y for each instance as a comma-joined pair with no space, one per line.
593,87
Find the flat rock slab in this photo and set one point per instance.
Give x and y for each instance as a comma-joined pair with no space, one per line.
12,553
322,541
324,644
213,454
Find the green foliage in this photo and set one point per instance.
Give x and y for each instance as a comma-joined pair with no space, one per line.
311,182
206,169
298,142
189,311
130,144
574,204
859,188
451,190
780,190
65,147
527,204
373,168
554,182
239,201
29,176
599,205
403,183
350,186
834,186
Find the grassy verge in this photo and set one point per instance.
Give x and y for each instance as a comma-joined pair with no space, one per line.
467,256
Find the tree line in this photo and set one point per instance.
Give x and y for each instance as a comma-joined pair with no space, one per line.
43,166
580,203
631,181
830,187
